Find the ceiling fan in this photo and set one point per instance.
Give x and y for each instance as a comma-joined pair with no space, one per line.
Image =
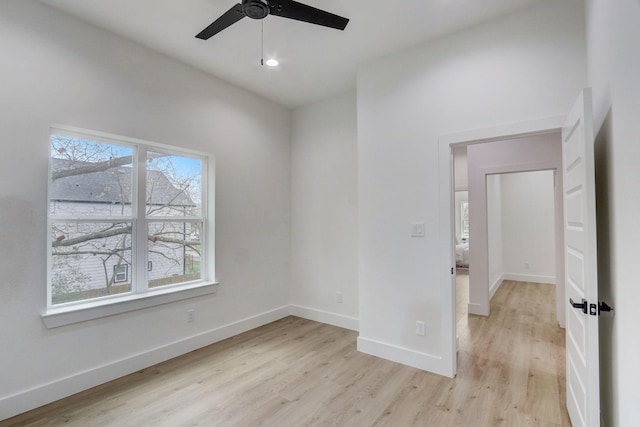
259,9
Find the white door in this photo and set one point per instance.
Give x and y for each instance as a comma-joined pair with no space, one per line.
583,380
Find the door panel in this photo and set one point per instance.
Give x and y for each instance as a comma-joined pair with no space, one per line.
583,382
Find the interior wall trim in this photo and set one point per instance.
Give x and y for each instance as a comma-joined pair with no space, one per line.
335,319
534,278
424,361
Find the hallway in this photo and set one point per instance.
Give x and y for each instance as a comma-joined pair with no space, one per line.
517,354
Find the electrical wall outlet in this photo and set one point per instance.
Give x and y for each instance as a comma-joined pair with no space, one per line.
417,229
339,298
191,316
420,327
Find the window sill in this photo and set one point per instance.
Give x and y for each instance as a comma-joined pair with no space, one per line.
56,317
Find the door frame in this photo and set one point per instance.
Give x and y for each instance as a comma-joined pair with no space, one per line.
482,259
446,145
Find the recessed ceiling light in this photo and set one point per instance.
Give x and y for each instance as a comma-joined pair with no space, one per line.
272,62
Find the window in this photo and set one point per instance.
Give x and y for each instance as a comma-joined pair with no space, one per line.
127,218
121,273
464,220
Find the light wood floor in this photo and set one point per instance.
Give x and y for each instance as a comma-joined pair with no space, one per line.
296,372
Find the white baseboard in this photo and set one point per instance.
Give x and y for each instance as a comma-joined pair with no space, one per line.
477,309
402,355
46,393
529,278
334,319
495,286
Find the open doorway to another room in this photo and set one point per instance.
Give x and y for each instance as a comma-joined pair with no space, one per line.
516,337
521,234
462,256
461,229
507,222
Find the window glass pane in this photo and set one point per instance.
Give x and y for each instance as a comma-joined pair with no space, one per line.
89,178
89,260
174,185
174,252
464,218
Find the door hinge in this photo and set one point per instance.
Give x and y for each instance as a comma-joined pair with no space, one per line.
452,271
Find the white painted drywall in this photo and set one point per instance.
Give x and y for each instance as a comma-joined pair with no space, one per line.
324,212
460,168
58,70
528,65
528,226
613,34
494,247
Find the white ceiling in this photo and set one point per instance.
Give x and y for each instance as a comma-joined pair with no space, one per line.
315,62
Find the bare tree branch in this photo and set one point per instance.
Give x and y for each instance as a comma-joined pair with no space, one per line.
87,237
109,253
93,167
193,244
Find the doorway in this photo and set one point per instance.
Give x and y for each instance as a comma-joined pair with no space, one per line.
521,225
579,199
517,222
505,140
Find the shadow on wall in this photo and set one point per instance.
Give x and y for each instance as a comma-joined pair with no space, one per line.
606,284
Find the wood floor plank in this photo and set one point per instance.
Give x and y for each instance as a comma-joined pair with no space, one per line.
296,372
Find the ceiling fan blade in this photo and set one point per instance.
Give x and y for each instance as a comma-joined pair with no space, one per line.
230,17
302,12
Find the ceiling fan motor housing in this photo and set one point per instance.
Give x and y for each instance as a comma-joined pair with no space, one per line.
255,9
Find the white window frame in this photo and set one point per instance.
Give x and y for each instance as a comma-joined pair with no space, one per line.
141,296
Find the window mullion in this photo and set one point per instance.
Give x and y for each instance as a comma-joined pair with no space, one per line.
140,245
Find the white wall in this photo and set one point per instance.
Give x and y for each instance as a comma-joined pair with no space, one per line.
324,212
528,226
494,247
526,66
460,168
613,32
58,70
